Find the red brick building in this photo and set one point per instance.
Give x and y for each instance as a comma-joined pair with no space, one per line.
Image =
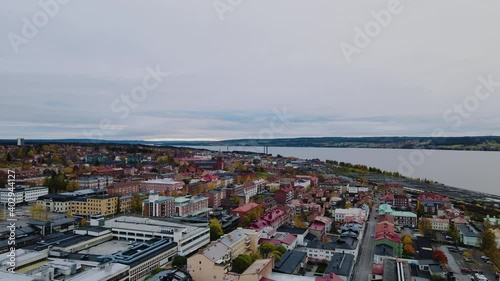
161,185
244,210
284,195
215,197
123,188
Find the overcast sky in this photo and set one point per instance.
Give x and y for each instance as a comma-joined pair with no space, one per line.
231,71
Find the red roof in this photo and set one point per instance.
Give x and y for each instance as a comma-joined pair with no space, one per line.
289,238
246,208
388,235
330,277
387,197
384,227
378,269
387,218
317,226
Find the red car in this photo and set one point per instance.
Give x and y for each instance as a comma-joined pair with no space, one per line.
466,270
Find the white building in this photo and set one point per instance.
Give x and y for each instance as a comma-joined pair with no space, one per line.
189,237
357,213
99,182
21,195
32,194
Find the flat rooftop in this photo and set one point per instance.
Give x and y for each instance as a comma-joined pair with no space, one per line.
154,225
107,248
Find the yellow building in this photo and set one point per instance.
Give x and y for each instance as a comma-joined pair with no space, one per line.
216,258
105,205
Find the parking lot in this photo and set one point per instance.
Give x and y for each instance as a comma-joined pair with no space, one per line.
459,266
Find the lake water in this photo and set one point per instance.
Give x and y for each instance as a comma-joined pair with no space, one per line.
473,170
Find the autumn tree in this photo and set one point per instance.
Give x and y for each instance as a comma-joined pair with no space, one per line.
136,204
439,256
36,211
83,222
425,227
406,239
487,242
408,250
299,222
215,229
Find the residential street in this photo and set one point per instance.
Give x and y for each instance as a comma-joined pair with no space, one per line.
365,257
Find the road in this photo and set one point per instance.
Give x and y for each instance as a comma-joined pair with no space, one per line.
365,257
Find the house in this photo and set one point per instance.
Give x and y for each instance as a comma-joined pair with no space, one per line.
468,235
291,262
439,224
300,233
341,265
396,270
191,206
432,202
167,186
215,197
340,214
390,239
401,218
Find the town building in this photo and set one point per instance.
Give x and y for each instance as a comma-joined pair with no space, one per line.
105,205
99,182
189,237
215,197
191,206
340,214
123,188
145,257
158,206
468,235
22,194
167,186
284,195
55,203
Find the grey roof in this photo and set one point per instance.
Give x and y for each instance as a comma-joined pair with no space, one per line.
391,271
467,231
384,250
435,268
341,264
289,262
292,230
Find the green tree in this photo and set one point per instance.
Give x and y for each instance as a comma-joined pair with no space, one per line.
179,261
276,254
266,248
282,249
215,229
255,256
245,221
241,263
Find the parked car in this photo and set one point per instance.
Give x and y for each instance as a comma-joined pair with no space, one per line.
469,260
489,262
477,271
465,270
485,258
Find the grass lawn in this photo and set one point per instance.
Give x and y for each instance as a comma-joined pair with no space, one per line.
321,268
